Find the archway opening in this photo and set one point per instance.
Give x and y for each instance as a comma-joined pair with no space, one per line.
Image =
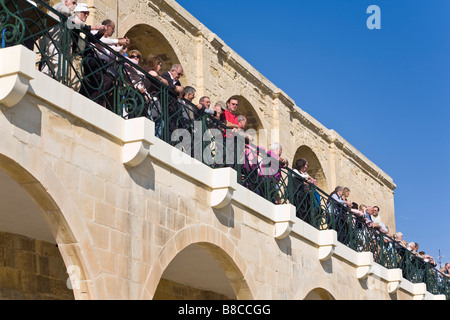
32,268
319,294
201,271
315,169
149,41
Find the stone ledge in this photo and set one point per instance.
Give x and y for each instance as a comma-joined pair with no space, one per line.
15,74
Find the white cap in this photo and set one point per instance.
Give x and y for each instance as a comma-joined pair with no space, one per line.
81,7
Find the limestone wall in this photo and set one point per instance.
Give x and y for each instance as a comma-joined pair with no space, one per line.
31,269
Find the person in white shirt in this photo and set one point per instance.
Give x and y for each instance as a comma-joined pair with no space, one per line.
377,219
115,44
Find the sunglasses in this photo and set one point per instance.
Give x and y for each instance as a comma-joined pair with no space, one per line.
136,56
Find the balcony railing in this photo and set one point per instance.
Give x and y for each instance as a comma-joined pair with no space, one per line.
75,57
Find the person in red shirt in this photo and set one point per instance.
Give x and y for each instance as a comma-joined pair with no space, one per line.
230,120
230,115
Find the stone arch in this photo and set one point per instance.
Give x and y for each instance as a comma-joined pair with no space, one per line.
48,214
319,294
207,243
150,41
317,287
315,168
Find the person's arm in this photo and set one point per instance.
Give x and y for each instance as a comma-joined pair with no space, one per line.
335,197
154,74
231,125
113,42
284,162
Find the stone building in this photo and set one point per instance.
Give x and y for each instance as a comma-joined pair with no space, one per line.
95,201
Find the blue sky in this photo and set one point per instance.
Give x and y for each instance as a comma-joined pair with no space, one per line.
386,91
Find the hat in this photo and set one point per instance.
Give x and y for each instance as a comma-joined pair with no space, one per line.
81,7
221,104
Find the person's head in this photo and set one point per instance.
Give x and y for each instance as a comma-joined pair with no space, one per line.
110,27
136,55
276,148
81,11
376,210
370,210
206,101
71,4
155,63
301,165
242,121
447,266
354,205
362,207
219,108
338,190
410,246
176,71
232,104
398,236
189,93
346,192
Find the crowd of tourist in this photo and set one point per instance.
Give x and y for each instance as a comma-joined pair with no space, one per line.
370,215
222,114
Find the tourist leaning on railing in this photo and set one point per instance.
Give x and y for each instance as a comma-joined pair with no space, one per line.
54,41
153,67
323,212
301,167
134,77
173,79
336,195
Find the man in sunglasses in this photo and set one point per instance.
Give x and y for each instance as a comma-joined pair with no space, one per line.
173,78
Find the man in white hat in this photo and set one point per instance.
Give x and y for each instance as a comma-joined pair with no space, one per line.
52,41
81,13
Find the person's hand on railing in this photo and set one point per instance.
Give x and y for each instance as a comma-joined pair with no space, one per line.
283,162
179,89
124,41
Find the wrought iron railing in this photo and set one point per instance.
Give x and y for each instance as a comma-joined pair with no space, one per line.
75,57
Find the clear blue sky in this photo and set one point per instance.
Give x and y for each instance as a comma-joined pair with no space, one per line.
386,91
